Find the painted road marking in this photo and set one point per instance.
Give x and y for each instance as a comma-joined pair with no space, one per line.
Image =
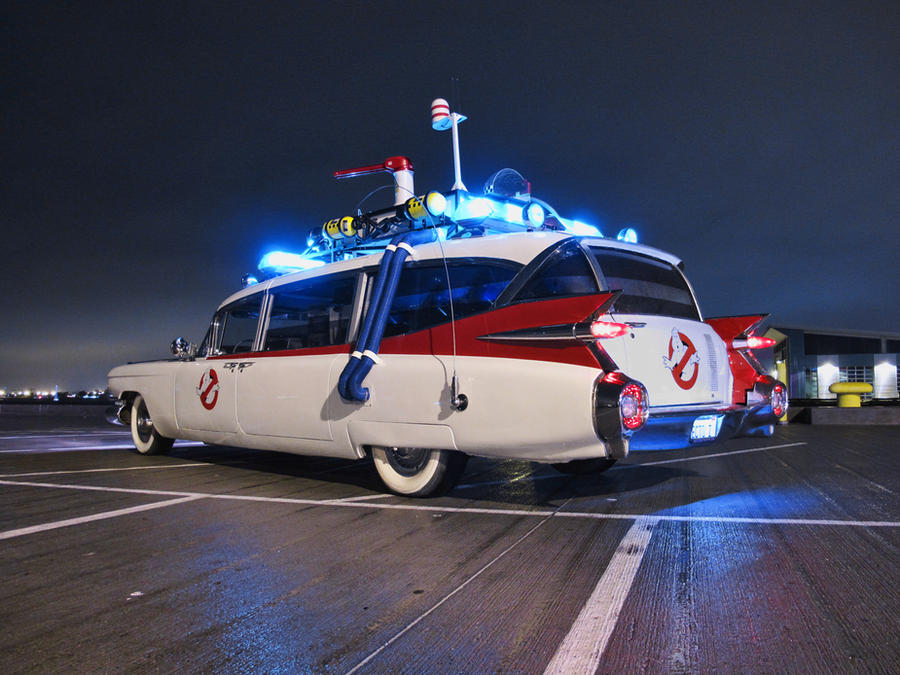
9,534
533,476
129,446
583,647
358,499
718,454
540,513
452,593
124,468
67,434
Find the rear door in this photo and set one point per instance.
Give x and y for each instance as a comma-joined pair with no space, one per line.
680,359
284,389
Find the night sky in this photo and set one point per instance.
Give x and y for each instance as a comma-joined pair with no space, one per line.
152,151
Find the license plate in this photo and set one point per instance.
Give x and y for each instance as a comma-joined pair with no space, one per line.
706,428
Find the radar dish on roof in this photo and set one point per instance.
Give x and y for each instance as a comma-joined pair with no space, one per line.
508,183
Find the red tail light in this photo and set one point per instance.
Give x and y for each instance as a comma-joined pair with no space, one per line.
756,342
779,400
608,329
634,406
615,377
753,342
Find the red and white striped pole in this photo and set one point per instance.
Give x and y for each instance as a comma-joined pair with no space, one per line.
441,120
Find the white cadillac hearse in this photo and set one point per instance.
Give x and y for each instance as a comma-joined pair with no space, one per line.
452,325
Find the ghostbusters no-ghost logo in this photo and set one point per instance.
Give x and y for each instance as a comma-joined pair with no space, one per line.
683,360
208,391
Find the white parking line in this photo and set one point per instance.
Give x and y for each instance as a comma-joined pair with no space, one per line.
534,476
67,434
717,454
73,448
583,646
540,513
361,498
124,468
9,534
451,594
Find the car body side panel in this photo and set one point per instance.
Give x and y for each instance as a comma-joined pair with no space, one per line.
204,396
539,411
286,396
154,381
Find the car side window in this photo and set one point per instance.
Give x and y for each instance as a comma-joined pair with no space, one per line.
310,313
565,272
648,285
422,299
237,325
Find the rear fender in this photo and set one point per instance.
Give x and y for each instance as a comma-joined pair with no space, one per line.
745,367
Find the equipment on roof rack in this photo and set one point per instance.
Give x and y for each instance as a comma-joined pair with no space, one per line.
505,205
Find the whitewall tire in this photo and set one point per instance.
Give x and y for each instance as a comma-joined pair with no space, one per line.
418,472
147,440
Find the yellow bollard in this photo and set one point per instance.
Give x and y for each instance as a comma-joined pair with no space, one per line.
848,393
782,375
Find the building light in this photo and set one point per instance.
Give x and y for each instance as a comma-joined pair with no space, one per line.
828,374
885,381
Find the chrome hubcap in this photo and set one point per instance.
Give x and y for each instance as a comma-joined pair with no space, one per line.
407,461
144,423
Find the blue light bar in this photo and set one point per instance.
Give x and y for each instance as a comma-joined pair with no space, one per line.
472,208
535,214
282,262
579,228
628,234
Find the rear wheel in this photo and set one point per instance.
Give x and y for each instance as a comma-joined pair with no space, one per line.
418,472
147,439
582,467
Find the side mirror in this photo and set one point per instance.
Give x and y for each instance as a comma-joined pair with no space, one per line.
183,349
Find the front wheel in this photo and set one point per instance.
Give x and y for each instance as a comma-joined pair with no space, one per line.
418,472
147,439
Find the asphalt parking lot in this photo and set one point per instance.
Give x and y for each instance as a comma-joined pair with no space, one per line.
753,555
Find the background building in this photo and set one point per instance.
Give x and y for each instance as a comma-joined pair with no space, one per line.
810,360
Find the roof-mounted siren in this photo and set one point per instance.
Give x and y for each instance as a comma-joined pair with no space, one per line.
400,168
441,120
512,186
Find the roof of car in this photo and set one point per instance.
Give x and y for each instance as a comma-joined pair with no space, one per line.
519,247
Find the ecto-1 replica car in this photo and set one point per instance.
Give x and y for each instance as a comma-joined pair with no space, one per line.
452,325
